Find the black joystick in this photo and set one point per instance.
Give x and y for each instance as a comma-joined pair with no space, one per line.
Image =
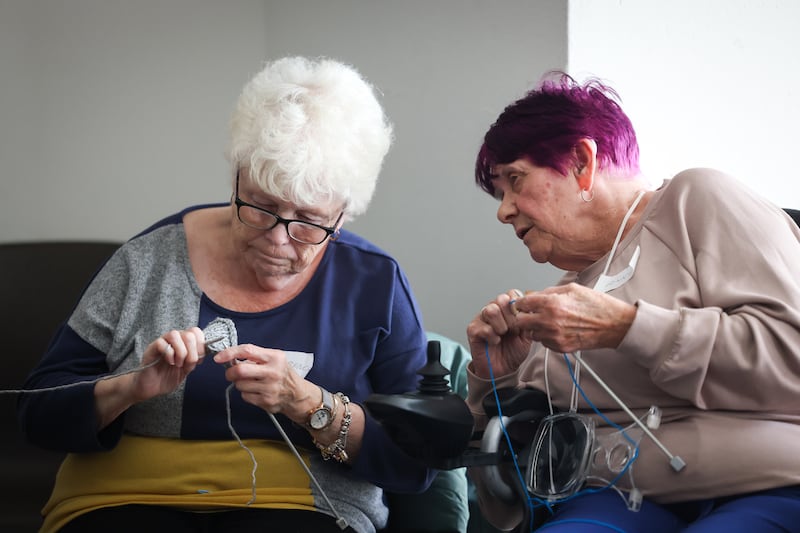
431,424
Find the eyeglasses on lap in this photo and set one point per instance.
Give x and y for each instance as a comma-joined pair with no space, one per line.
299,230
561,456
566,452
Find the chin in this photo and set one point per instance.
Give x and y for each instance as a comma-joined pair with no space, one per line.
537,256
541,261
275,282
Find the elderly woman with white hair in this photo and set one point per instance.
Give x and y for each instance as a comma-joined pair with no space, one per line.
268,433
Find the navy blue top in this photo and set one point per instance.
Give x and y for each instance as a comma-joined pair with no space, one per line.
356,321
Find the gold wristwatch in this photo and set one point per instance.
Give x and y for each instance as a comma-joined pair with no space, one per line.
322,416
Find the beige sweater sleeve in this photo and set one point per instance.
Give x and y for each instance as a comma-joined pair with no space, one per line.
731,337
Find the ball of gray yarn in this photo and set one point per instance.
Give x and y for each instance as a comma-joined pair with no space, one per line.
222,334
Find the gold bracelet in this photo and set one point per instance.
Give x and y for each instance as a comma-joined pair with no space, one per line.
336,450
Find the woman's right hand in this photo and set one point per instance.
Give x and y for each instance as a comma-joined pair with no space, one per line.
496,325
165,364
179,352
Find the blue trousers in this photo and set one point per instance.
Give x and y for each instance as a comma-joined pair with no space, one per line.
771,511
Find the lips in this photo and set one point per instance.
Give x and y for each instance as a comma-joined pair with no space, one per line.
522,232
274,260
270,258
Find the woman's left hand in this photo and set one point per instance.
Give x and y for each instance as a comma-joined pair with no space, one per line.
568,318
265,379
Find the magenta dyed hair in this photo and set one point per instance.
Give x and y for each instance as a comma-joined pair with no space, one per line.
546,124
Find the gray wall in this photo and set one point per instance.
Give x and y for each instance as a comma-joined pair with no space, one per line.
114,113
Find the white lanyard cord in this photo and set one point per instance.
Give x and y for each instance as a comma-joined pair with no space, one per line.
573,406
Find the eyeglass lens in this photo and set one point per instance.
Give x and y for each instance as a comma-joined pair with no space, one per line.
299,231
561,456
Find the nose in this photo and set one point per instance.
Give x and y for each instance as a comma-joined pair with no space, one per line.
507,209
279,233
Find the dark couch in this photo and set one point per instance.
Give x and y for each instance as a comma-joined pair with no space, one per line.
40,283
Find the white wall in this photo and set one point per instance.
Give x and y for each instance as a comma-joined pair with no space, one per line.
114,113
706,83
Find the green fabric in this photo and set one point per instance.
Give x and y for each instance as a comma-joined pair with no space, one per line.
444,506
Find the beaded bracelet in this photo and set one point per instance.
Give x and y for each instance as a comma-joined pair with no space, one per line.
336,450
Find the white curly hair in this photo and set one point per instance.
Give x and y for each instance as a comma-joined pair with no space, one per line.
311,131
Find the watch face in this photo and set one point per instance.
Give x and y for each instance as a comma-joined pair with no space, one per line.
319,419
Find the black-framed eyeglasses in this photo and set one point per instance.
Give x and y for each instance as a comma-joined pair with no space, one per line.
299,230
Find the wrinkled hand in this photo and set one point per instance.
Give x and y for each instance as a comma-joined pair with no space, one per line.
566,318
179,352
265,379
165,364
498,326
572,317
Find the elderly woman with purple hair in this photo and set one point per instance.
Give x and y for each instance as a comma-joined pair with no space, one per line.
680,306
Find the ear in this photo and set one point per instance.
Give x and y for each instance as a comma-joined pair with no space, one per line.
339,223
585,163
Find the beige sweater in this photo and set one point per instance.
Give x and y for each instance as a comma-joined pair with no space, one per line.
715,344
